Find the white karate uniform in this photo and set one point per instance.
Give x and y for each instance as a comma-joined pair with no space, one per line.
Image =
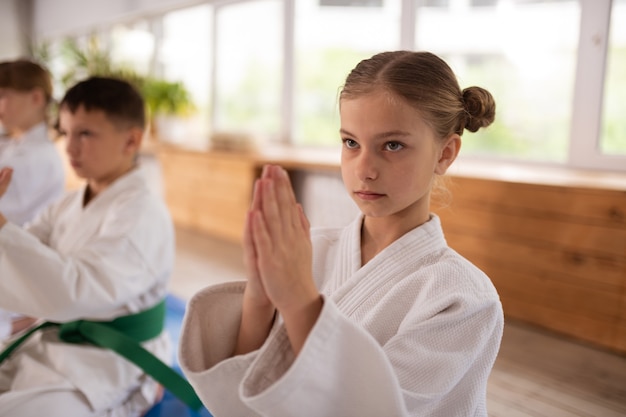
38,180
108,259
414,332
38,174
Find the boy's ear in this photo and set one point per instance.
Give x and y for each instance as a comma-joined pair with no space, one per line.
448,153
133,140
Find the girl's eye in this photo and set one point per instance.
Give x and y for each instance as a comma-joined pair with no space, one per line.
393,146
350,143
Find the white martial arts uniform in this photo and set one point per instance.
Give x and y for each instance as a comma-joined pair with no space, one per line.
108,259
38,174
414,332
38,180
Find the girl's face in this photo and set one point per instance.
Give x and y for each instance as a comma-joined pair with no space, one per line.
390,157
17,108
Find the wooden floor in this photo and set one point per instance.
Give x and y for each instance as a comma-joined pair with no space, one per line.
537,373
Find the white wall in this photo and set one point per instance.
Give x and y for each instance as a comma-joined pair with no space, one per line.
53,18
12,31
324,198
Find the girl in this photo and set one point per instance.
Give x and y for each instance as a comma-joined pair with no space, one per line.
25,95
380,318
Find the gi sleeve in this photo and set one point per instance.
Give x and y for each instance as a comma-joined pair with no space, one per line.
208,339
105,274
436,369
341,371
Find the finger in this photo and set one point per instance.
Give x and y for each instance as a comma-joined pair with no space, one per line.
287,200
256,197
249,251
250,255
306,225
272,215
284,178
261,239
266,172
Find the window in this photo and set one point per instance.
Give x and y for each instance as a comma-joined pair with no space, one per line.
328,43
274,68
185,55
513,51
133,46
613,135
248,68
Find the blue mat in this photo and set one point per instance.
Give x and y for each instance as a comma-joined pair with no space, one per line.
170,406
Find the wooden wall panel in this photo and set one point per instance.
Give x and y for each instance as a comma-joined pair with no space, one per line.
209,192
620,337
544,260
556,254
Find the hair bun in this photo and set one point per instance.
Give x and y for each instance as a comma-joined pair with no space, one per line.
480,107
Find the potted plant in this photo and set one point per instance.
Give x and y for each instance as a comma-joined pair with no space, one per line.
167,102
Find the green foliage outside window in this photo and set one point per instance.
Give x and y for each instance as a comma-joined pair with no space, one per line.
322,73
161,96
253,105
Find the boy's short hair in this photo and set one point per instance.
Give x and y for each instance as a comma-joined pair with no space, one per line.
25,75
118,99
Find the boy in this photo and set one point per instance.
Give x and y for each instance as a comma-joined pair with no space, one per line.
25,93
100,253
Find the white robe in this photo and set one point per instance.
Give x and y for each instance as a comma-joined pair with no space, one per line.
108,259
414,332
38,180
38,174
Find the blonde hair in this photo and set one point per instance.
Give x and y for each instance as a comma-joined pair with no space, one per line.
425,82
25,75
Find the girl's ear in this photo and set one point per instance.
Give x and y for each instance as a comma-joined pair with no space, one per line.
448,153
38,97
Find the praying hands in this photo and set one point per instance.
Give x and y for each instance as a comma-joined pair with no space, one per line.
278,258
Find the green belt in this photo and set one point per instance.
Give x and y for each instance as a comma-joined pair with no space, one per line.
123,336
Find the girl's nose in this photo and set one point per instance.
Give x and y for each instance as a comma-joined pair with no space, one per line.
365,166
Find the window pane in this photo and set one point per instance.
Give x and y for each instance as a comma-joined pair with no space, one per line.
613,139
329,42
191,66
249,67
132,47
516,52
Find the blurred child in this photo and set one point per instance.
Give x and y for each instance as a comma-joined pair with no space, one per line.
25,95
380,318
101,253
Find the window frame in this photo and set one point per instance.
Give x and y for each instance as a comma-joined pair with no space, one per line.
586,127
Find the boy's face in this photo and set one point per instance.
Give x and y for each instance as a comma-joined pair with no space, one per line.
98,149
17,109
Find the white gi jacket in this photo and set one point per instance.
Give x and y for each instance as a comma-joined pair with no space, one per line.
414,332
38,174
38,180
108,259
